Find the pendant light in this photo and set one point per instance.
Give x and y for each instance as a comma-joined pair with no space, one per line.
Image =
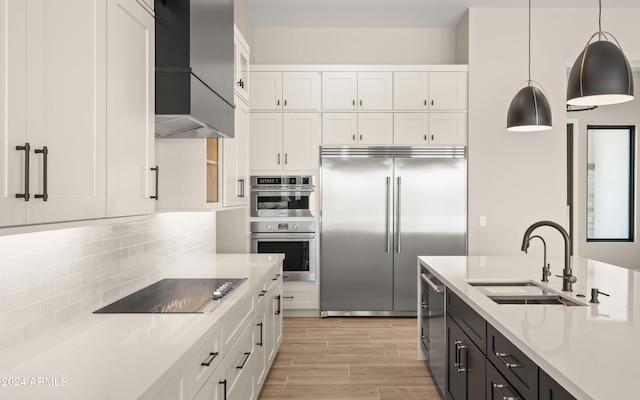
529,109
601,74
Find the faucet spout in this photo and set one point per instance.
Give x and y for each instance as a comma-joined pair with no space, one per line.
567,277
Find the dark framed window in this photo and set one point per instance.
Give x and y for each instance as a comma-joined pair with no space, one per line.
610,183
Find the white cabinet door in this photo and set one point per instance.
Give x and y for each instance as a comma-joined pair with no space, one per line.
301,140
410,90
274,320
213,389
266,90
13,69
65,108
339,128
448,90
241,68
411,128
339,90
265,141
236,159
131,108
448,128
375,90
301,90
375,128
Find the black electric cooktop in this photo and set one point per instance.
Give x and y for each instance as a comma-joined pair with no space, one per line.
175,296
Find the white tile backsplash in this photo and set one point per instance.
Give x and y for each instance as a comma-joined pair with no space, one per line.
50,277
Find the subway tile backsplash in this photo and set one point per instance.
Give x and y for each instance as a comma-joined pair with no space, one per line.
47,278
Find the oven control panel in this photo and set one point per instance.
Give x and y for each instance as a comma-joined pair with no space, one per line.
279,226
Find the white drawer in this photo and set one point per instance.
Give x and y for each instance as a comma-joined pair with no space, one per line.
236,320
206,357
300,296
239,363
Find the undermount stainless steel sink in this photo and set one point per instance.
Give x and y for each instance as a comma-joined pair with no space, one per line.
522,293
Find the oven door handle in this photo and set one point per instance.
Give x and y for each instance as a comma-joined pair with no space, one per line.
283,191
282,237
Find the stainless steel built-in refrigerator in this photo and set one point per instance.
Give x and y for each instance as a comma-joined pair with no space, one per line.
381,208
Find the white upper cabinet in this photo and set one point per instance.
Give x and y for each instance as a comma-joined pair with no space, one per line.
448,128
437,128
357,90
357,128
411,128
131,182
284,141
447,90
375,90
241,67
339,90
375,128
411,90
266,90
340,128
13,70
235,160
434,91
54,111
285,91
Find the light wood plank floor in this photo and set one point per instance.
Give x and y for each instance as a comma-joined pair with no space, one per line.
349,358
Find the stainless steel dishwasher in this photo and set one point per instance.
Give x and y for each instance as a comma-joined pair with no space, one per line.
433,331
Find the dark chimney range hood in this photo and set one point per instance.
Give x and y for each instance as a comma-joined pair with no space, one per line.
194,69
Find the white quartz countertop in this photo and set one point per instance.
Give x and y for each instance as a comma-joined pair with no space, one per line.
119,356
591,350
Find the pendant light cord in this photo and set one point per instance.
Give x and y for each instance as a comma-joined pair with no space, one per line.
529,42
599,19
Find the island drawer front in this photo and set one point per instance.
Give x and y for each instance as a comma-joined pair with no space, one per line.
206,357
236,320
549,389
518,369
239,363
473,324
499,388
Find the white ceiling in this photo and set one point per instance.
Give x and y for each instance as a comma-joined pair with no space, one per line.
391,13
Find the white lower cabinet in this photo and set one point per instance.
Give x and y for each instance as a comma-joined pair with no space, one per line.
231,361
301,296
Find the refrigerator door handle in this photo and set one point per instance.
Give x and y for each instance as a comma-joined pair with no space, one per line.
388,214
398,214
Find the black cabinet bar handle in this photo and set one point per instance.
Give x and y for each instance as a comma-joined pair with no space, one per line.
157,169
354,102
262,293
278,158
500,388
425,102
502,357
360,102
425,138
278,102
208,362
288,297
260,343
279,306
45,173
27,150
286,158
432,102
224,383
244,361
276,277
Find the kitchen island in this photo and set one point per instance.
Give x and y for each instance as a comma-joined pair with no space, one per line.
160,356
589,350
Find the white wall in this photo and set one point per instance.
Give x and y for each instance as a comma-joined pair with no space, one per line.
462,40
353,46
516,179
50,277
242,22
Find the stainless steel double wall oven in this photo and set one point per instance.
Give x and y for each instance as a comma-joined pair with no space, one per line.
283,221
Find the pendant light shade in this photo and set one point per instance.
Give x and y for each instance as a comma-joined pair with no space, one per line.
529,111
601,74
